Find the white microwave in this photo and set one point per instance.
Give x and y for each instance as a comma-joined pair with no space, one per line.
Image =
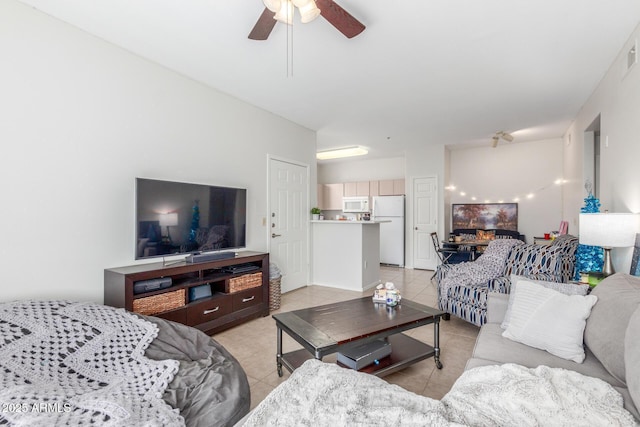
358,204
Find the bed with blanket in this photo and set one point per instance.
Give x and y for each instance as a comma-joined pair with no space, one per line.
70,363
323,394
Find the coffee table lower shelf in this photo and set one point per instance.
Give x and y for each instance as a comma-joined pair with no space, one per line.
404,352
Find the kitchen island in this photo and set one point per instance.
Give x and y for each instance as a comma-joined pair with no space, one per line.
346,254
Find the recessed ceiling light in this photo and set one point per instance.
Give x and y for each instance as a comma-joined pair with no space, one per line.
338,153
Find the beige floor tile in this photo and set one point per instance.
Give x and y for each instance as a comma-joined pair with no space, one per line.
254,343
259,391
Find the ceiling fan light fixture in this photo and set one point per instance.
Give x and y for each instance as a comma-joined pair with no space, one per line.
285,13
506,136
273,5
308,12
494,141
338,153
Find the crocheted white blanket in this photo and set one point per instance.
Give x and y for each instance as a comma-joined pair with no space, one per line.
65,363
320,394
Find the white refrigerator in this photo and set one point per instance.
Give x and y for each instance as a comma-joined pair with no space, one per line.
391,209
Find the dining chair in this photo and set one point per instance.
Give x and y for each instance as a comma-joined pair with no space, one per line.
443,253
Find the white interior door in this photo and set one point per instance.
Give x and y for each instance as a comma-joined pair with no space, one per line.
289,222
425,214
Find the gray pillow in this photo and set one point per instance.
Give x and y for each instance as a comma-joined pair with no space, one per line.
564,288
632,357
618,297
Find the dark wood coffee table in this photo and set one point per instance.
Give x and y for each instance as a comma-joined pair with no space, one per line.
332,328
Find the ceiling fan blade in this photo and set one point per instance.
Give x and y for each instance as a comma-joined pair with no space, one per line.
263,27
340,18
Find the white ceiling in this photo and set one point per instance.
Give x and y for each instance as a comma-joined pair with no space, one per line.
423,72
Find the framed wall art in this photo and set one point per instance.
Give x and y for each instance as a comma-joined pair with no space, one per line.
501,216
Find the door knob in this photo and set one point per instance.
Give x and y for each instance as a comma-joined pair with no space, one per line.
273,235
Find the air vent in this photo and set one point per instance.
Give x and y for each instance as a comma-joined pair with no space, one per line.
632,56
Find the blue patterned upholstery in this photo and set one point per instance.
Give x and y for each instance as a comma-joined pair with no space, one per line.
554,263
569,246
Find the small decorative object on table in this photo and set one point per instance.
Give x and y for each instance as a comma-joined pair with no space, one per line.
387,294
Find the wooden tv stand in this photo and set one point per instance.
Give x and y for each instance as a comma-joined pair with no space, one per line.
230,303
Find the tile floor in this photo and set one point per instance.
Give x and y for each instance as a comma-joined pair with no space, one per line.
254,343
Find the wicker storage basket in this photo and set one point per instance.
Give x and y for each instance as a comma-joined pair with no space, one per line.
243,282
159,303
274,293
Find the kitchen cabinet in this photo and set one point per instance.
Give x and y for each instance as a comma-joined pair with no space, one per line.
386,187
331,197
320,196
391,187
374,188
398,187
350,189
360,188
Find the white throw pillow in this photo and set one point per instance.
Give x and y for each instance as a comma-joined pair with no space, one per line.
563,288
549,320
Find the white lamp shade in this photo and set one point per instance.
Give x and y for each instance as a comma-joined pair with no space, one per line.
272,5
169,219
309,12
609,230
285,13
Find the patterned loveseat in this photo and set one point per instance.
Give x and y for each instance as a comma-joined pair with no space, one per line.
463,288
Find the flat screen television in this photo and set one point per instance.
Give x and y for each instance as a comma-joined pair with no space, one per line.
174,218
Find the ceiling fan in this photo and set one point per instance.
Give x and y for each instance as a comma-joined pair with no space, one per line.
282,10
500,135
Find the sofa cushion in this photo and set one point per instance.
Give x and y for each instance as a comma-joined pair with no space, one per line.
632,357
492,346
618,298
549,320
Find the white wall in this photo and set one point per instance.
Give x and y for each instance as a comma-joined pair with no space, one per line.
79,120
510,171
617,101
360,170
426,162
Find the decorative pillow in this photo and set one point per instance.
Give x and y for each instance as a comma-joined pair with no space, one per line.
618,298
563,288
546,319
632,357
485,235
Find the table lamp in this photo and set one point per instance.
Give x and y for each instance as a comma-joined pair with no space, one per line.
168,220
609,230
